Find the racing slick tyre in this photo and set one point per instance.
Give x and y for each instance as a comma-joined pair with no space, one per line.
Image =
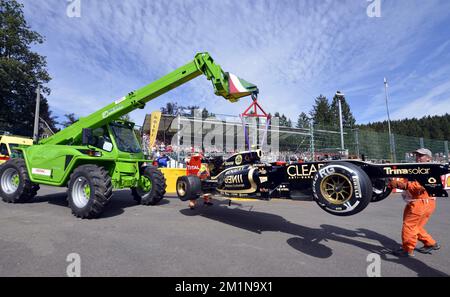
380,189
15,184
90,189
152,187
189,187
342,189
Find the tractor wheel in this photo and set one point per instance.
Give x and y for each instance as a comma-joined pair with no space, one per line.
189,187
342,189
380,189
90,188
152,187
15,183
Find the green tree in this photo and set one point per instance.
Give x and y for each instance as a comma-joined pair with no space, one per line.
302,121
436,127
70,119
348,121
289,123
284,121
126,117
320,112
206,113
171,108
21,72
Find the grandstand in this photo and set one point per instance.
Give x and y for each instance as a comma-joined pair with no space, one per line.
224,134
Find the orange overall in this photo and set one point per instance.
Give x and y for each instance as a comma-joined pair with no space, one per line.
417,212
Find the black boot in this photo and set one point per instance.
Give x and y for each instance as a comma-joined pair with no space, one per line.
429,249
401,253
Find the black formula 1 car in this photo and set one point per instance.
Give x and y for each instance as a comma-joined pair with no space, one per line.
341,187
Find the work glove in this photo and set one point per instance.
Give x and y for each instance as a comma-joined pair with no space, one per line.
397,184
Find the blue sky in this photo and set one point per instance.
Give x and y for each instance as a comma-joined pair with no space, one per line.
293,50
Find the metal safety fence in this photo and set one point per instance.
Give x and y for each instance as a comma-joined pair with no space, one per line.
226,135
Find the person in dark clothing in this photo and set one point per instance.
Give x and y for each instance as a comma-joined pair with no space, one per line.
163,160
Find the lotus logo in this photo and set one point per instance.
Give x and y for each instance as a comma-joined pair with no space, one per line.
238,160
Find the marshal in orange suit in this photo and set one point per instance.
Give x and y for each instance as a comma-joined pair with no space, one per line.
420,206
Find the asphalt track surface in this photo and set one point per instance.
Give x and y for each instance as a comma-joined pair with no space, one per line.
249,238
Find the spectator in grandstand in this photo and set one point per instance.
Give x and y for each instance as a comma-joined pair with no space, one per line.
420,206
293,159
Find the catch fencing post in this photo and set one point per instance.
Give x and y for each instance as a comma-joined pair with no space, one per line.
447,157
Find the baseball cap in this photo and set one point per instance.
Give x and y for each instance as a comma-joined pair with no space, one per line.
423,151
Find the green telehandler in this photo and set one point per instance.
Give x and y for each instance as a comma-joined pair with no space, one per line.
100,152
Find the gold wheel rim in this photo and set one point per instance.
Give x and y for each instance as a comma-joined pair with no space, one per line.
181,188
336,188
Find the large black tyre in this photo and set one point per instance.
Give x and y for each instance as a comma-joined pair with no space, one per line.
380,189
157,190
342,189
90,188
15,183
189,187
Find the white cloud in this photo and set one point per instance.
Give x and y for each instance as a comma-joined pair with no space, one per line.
293,50
435,102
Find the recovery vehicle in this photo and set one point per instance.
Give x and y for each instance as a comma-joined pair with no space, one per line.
99,152
341,187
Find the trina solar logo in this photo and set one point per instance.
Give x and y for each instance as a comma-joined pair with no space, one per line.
412,171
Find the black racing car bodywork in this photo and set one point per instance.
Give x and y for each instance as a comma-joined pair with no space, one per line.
342,187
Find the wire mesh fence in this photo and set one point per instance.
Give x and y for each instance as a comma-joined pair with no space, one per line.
312,143
322,142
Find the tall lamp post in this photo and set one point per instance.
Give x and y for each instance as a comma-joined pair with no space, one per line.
36,116
391,142
339,95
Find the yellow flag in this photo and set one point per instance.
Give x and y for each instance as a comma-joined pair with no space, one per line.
154,125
